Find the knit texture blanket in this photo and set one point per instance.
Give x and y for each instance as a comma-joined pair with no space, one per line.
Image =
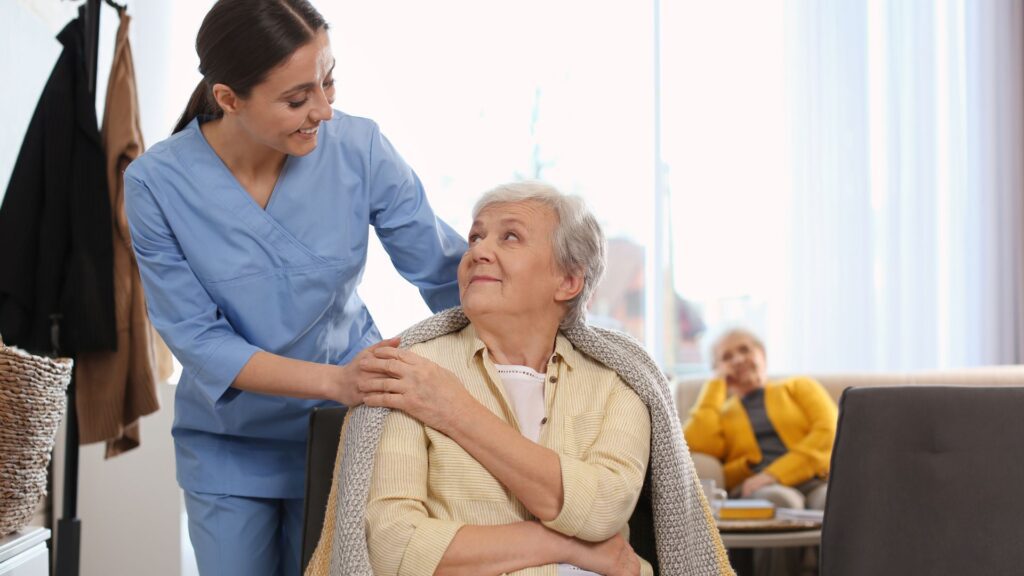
686,538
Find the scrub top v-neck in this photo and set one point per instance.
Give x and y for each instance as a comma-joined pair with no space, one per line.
225,278
239,186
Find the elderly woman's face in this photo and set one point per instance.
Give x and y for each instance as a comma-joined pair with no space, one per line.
741,363
509,267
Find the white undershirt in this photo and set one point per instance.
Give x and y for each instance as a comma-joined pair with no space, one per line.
525,389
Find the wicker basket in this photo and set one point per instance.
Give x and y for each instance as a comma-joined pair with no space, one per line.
32,399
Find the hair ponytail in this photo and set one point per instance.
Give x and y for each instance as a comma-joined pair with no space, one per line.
199,104
240,41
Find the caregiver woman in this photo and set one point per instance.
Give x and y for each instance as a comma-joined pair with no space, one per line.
250,227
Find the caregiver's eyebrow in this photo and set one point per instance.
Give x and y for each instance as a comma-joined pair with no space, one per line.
308,85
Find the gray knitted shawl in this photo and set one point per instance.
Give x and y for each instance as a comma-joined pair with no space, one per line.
687,540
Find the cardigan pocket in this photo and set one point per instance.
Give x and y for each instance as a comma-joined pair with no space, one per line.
581,432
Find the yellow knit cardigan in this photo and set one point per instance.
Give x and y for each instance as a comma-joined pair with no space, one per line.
802,412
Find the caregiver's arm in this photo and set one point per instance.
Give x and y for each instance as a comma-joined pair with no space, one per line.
423,248
199,334
268,373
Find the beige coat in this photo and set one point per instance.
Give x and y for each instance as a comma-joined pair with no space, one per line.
114,389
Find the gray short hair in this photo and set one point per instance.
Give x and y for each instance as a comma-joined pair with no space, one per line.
729,333
578,241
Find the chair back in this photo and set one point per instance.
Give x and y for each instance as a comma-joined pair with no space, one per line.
641,528
321,451
926,480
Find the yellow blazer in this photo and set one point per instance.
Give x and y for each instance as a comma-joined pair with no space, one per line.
802,412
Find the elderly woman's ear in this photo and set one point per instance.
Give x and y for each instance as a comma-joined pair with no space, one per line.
570,287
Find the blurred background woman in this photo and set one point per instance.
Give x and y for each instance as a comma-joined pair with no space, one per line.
768,439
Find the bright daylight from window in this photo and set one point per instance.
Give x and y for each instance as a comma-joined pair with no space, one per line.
796,194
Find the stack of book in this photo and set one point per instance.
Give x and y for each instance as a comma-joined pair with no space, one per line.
802,515
746,509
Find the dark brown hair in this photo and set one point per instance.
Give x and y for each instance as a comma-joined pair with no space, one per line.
241,41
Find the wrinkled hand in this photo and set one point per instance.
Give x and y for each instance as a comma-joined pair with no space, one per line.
722,373
345,382
408,382
732,387
613,557
756,482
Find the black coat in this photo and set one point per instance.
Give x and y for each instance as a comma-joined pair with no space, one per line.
55,222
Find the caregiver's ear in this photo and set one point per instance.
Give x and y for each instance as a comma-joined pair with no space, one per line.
226,98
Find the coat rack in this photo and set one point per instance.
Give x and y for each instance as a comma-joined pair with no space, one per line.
69,526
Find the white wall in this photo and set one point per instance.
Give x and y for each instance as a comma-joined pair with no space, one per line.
28,30
130,506
27,40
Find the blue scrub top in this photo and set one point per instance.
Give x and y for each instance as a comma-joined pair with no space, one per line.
224,279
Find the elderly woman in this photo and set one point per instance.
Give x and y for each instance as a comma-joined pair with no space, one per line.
519,439
774,439
512,450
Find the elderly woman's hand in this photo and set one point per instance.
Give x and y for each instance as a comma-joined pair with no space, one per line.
755,483
613,557
414,385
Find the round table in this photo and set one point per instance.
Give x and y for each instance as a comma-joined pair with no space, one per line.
771,539
740,537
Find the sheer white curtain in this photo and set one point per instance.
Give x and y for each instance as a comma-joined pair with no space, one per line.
906,150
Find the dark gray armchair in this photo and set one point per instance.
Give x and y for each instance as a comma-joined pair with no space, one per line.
321,451
926,480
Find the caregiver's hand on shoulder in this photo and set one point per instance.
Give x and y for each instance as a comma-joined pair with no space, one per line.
408,382
344,382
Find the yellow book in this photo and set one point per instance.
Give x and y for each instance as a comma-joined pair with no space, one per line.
746,509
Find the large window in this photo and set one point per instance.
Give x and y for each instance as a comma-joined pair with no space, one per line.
843,178
724,145
475,95
846,178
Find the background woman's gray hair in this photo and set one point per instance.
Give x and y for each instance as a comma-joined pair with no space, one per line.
727,332
578,242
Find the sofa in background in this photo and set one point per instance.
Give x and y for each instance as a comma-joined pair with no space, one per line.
688,388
